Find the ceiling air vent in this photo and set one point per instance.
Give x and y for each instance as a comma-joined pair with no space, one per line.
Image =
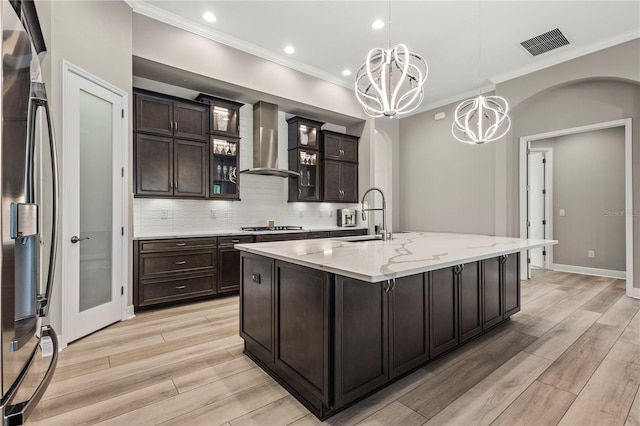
545,42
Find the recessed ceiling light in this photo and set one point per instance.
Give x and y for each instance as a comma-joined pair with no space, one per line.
289,49
377,24
209,17
346,72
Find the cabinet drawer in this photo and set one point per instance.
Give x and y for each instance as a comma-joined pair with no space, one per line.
348,233
161,263
234,239
280,237
177,243
158,291
313,235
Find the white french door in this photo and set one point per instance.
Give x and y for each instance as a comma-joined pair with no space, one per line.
93,223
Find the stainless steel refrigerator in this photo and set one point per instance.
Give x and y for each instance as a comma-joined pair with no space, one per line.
28,224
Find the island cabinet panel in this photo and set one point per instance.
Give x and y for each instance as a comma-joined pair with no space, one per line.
361,353
470,300
257,305
408,324
493,305
511,283
302,329
443,321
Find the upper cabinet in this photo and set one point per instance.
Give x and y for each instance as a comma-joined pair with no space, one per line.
224,115
170,117
304,133
340,147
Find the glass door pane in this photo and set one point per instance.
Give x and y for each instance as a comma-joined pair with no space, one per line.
96,195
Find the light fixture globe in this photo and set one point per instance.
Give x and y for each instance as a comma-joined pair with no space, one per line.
391,82
482,119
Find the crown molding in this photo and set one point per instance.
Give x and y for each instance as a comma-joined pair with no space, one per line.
142,8
561,57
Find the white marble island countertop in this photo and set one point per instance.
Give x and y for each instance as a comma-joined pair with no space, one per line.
407,254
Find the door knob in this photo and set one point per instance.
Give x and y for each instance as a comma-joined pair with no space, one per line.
75,239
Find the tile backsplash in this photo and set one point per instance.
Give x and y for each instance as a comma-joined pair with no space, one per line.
263,198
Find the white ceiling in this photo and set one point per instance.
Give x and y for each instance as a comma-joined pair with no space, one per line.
330,36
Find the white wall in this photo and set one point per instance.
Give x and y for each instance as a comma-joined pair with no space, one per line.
97,37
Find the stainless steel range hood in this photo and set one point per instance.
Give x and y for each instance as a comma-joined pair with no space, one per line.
265,142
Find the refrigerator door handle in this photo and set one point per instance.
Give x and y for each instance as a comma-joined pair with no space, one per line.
39,99
18,413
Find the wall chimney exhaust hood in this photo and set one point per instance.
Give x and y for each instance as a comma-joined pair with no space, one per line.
265,142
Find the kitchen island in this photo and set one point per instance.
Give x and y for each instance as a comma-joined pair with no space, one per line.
334,320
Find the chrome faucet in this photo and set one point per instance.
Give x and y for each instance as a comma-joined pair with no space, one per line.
385,236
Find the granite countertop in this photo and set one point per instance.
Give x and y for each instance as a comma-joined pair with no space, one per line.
223,233
407,254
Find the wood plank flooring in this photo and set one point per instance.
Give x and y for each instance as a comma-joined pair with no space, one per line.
570,357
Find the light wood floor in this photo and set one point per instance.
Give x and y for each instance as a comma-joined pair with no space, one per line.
571,356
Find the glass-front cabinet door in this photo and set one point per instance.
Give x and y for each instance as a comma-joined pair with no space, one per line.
224,116
224,167
307,186
304,133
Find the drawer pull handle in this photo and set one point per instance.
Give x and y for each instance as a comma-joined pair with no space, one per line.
181,262
181,287
181,244
235,241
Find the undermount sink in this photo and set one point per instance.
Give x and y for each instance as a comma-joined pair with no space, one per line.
359,239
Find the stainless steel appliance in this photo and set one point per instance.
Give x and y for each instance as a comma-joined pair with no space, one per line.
346,217
24,303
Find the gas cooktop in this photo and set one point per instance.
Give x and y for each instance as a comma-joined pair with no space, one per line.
272,228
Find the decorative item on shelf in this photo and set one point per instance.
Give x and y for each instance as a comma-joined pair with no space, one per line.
228,151
309,177
221,118
233,149
391,81
483,118
225,171
217,188
218,172
304,139
233,176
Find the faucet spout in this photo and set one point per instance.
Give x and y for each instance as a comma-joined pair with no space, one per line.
383,231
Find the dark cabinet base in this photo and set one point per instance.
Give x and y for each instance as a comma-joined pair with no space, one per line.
332,341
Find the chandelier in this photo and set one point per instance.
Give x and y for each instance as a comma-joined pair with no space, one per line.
391,81
482,119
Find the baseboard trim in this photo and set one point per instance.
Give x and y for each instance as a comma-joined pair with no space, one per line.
130,312
609,273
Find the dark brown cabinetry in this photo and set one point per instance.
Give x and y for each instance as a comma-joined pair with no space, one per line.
340,147
224,167
331,340
348,233
170,147
501,288
340,166
408,324
305,140
224,115
166,116
302,328
229,262
256,305
340,181
171,270
170,167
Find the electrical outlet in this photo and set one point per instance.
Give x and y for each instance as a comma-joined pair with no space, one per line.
212,214
591,254
562,213
164,213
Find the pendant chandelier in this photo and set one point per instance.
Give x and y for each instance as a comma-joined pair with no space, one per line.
391,81
484,118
